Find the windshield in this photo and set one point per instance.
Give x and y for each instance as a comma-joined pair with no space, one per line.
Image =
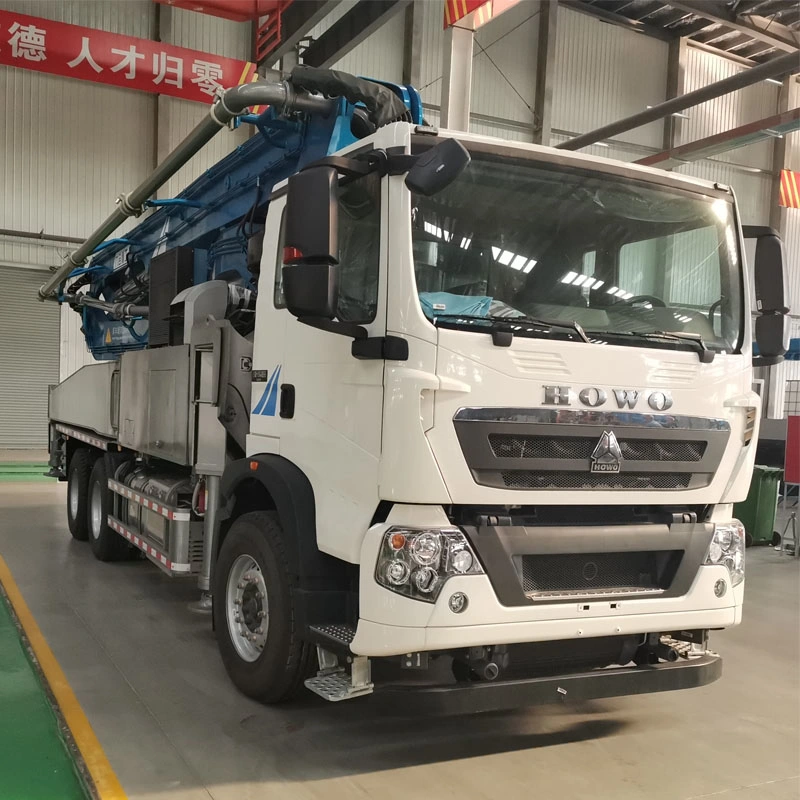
624,260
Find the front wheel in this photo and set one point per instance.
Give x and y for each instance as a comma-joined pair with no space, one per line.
254,615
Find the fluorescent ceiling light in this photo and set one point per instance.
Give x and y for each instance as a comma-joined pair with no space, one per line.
613,290
531,264
505,258
580,280
465,243
518,262
495,252
597,284
569,277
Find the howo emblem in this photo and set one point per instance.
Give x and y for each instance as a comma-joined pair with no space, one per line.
595,397
607,456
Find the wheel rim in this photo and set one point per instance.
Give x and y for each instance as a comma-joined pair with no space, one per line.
247,607
96,506
74,499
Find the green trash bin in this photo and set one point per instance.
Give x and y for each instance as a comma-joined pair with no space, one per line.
757,512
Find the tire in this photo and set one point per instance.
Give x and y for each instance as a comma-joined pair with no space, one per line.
80,468
106,544
252,562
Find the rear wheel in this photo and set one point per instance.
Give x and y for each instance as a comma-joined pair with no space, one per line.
107,545
80,468
254,615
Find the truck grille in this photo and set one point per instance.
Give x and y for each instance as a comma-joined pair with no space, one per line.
557,449
528,479
510,446
591,574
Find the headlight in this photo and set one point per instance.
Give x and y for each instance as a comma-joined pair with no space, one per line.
417,563
727,548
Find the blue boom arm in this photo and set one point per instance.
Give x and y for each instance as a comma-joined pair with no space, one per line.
215,216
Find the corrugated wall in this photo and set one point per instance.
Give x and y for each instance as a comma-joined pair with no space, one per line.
729,111
68,148
177,117
604,73
791,216
504,66
381,55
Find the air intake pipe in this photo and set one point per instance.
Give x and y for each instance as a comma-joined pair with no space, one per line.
230,104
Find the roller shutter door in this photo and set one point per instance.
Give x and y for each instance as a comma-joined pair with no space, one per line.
29,358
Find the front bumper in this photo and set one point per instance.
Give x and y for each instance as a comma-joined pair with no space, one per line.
490,696
391,624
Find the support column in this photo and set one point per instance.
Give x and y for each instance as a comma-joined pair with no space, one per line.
412,51
676,86
776,213
545,66
457,78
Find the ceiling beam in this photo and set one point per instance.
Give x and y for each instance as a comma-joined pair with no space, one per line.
617,19
348,32
297,19
769,128
786,64
773,33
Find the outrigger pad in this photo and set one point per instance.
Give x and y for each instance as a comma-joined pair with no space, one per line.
383,105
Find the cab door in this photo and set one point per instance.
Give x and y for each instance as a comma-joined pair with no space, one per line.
313,402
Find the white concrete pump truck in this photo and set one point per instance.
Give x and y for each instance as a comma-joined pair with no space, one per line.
430,416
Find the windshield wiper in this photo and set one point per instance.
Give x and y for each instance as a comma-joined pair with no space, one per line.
704,352
571,325
503,338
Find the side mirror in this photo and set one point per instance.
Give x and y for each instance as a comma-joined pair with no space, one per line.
769,274
438,167
311,254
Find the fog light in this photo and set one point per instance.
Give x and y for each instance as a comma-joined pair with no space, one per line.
720,587
458,602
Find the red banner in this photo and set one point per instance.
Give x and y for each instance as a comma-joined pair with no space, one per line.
125,61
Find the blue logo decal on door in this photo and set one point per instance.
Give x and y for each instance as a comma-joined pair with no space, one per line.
268,404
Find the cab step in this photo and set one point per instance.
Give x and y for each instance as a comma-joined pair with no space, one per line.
333,636
336,682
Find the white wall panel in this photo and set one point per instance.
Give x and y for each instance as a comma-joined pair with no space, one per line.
61,173
730,110
131,17
604,73
510,42
379,56
752,189
176,117
620,151
210,34
791,253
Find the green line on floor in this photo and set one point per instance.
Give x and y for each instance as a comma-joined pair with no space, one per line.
23,471
35,763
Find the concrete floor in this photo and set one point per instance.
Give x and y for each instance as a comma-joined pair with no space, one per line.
147,673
